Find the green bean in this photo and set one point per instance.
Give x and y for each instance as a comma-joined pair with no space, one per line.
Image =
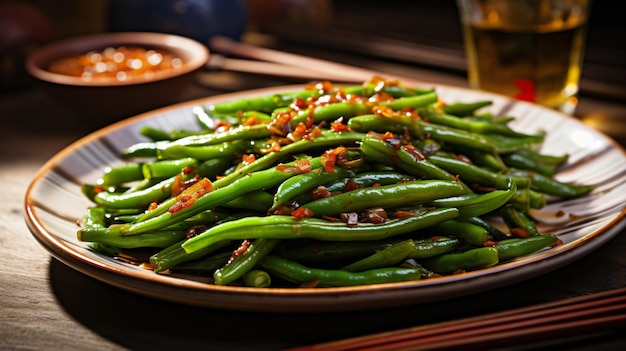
167,168
470,173
462,109
140,198
319,251
159,239
473,205
518,247
125,173
236,268
265,104
518,221
329,112
520,161
549,185
296,273
386,196
493,231
472,259
286,227
257,278
417,101
474,126
472,234
242,132
403,158
368,179
143,149
259,201
202,152
302,183
175,255
400,251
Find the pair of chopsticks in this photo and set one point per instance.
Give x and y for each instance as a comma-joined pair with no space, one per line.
584,315
262,60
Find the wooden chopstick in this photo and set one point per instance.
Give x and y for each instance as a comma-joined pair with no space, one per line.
226,45
221,62
585,314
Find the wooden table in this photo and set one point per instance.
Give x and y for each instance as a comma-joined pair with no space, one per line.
45,305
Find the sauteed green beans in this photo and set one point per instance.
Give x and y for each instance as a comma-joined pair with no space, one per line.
328,186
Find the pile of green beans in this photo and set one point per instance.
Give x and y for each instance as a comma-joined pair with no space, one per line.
328,186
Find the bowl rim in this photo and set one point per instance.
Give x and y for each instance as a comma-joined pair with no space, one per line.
194,54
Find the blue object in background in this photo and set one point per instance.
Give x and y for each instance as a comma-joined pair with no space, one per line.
196,19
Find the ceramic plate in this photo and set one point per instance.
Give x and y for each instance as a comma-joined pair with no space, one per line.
54,203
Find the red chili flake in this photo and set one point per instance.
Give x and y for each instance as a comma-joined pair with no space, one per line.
350,185
414,152
303,166
273,147
221,125
329,162
520,233
177,185
195,230
321,86
330,219
350,218
301,212
311,284
280,124
153,205
98,189
189,195
375,215
310,119
557,243
320,192
402,214
338,126
247,159
239,251
188,169
490,243
383,111
252,120
298,104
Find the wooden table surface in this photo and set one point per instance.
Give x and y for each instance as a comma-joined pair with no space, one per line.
45,305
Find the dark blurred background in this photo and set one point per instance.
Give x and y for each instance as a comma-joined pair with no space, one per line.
423,33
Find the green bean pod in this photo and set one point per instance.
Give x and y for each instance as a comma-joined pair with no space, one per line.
286,227
379,151
518,247
472,234
302,183
296,273
159,239
473,259
473,205
385,196
518,220
238,267
400,251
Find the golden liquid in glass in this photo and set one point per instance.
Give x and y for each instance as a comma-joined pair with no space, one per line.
540,64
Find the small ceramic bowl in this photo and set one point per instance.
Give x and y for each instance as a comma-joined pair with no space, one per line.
108,99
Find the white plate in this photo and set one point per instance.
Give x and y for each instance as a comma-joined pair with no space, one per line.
54,203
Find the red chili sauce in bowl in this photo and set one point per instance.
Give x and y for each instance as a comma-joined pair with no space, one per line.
116,63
